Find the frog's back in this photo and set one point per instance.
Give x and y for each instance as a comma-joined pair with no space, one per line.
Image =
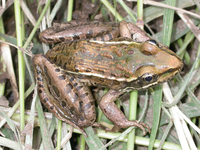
92,59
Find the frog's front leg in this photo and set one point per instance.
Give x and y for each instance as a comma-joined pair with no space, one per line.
114,114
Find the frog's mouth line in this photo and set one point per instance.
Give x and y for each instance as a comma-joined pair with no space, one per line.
170,75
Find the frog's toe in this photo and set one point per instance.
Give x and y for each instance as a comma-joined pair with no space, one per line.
141,126
146,126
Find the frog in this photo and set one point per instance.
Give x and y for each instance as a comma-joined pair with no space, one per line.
118,56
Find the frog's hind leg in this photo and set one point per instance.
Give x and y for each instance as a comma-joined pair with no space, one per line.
115,115
57,112
56,92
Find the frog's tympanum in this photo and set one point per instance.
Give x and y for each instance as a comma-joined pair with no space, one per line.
90,54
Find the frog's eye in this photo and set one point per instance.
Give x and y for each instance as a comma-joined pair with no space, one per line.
148,78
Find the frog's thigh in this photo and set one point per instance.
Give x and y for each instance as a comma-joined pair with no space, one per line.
62,94
83,102
76,100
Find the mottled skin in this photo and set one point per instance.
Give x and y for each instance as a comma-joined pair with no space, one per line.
74,31
123,64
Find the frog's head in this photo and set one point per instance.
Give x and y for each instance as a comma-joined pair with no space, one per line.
153,63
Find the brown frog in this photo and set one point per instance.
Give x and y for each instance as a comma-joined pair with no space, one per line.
134,61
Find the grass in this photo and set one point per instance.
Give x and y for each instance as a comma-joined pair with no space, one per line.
184,89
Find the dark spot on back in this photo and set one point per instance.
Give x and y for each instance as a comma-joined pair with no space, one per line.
107,55
118,53
52,107
126,75
116,82
130,52
39,91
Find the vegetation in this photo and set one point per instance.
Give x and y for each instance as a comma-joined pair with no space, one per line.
173,108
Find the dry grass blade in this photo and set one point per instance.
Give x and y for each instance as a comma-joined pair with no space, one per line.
195,30
20,48
149,2
28,13
6,53
181,127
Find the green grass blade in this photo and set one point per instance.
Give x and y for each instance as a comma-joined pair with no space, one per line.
156,115
21,64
